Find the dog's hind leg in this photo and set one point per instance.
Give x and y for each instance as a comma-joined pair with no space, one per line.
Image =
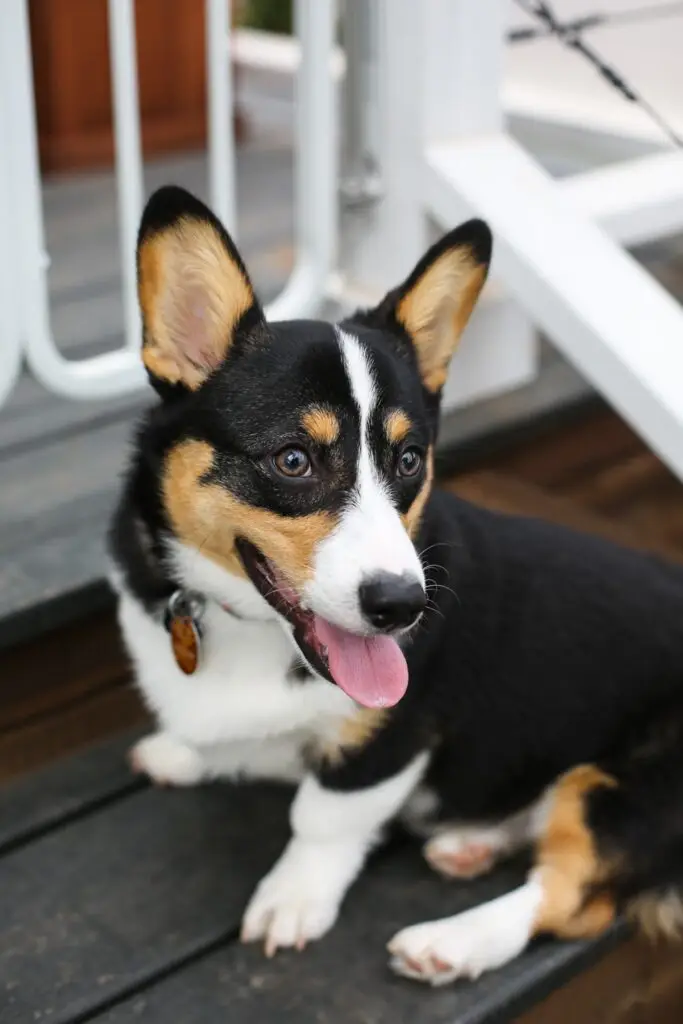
611,836
468,851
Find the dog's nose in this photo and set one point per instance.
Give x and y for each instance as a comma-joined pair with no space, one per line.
389,601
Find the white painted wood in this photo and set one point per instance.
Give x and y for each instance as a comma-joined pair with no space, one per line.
315,167
219,104
463,55
127,154
635,201
428,81
110,374
10,324
610,318
385,238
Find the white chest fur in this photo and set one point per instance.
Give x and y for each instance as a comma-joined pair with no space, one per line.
240,691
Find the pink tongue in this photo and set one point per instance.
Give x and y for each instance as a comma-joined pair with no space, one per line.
371,669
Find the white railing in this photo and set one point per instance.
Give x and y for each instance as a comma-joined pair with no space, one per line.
115,372
25,314
428,143
558,256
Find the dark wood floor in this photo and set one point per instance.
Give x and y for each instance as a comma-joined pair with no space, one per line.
72,687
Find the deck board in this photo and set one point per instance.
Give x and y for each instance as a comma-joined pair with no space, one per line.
106,903
46,800
133,906
344,978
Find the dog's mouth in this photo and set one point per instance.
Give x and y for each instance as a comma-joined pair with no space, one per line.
370,669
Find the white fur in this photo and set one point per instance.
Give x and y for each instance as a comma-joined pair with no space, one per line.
170,761
370,537
468,944
167,760
332,834
240,692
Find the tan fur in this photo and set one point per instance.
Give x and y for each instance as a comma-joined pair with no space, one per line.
192,295
596,916
568,863
412,518
353,733
659,915
208,517
397,426
436,309
321,425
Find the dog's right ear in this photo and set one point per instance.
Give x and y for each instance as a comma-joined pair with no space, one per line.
193,289
433,305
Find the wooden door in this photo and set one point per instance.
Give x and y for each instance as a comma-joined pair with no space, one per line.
73,80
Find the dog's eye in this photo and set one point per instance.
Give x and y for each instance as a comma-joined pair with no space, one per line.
410,462
292,462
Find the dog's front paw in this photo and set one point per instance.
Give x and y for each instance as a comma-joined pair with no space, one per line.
468,944
167,761
299,900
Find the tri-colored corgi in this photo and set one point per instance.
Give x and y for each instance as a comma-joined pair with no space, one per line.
301,603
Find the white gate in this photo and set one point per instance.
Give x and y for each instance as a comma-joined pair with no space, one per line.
24,316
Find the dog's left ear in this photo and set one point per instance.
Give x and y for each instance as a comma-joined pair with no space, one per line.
435,302
193,288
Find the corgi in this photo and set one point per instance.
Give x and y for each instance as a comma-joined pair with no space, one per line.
301,603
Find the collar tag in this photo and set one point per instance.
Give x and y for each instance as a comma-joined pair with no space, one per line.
183,621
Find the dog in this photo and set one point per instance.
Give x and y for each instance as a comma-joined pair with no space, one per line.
301,603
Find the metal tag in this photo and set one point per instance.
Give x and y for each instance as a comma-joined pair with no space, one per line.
183,622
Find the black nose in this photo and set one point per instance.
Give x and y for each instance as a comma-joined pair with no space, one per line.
391,602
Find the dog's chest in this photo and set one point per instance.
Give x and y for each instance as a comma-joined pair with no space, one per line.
244,687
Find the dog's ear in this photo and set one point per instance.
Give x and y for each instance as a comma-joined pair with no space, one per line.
435,302
193,289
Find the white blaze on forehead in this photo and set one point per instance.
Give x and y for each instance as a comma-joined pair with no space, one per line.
369,487
370,537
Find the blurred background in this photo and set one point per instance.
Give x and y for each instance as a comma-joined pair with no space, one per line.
336,139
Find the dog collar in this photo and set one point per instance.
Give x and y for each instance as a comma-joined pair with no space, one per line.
184,622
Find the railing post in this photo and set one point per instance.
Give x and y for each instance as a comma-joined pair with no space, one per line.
128,153
10,322
464,46
383,238
315,163
102,376
219,100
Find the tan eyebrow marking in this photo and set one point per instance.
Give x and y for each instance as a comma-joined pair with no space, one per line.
321,425
397,425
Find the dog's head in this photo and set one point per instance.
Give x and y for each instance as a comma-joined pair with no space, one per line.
296,458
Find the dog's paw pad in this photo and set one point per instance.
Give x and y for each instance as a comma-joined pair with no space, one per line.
167,761
465,946
437,953
454,856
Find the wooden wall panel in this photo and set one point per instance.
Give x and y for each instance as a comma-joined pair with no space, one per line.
73,82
